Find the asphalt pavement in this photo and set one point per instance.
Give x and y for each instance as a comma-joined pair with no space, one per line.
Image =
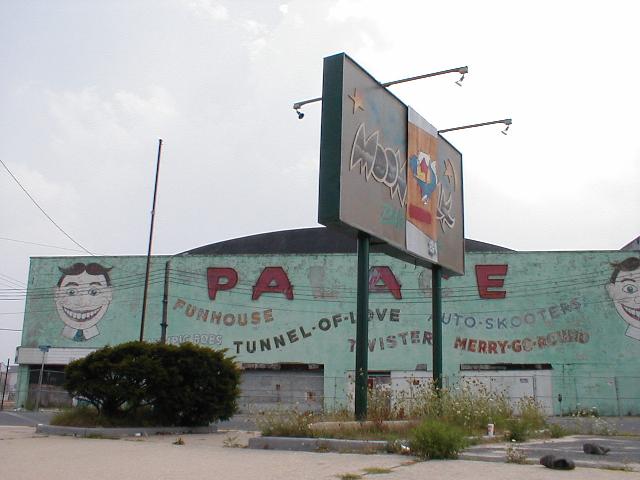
24,418
624,453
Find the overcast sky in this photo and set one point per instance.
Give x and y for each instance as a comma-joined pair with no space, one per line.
88,87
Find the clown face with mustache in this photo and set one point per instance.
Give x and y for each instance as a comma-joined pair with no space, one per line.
82,296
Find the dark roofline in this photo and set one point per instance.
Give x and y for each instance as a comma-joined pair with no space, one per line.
306,241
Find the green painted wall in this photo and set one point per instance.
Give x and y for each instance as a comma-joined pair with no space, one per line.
556,310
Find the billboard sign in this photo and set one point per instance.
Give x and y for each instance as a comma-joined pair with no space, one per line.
386,171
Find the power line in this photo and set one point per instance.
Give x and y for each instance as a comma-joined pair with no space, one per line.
40,208
305,292
13,280
40,244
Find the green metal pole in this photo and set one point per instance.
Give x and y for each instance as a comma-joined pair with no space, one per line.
436,324
362,327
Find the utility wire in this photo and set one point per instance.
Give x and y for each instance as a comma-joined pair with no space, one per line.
40,208
40,244
306,292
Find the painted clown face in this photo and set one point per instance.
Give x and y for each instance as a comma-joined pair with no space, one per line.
82,300
625,293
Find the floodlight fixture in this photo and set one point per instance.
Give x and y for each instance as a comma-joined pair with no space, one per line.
504,121
461,70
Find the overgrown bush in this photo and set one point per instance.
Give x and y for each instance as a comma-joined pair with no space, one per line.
184,385
469,405
87,416
434,439
116,380
557,431
531,413
379,404
529,422
289,423
516,430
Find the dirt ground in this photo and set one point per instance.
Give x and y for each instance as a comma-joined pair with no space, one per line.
26,455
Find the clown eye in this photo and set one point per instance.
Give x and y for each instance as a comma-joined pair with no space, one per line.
630,289
93,291
71,292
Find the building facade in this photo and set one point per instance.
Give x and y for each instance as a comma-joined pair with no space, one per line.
563,327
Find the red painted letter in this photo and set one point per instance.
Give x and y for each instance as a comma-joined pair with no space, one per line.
273,279
215,274
382,279
485,280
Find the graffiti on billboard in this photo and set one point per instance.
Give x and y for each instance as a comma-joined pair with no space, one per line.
383,163
82,296
624,290
445,212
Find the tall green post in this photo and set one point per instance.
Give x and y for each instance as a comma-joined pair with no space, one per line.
362,327
436,324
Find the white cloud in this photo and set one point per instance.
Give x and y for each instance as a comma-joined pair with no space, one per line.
209,9
254,28
345,10
157,106
86,115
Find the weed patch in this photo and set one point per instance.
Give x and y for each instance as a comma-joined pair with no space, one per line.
349,476
516,455
434,439
376,470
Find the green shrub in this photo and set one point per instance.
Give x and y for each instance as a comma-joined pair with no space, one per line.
115,380
200,385
434,439
139,382
557,431
517,430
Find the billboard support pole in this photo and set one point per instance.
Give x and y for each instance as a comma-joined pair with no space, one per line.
362,328
436,324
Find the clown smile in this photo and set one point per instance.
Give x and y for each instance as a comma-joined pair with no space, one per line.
81,315
632,312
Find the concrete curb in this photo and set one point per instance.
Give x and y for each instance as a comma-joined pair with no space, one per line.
120,432
318,444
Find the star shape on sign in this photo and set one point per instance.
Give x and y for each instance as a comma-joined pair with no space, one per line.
358,101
